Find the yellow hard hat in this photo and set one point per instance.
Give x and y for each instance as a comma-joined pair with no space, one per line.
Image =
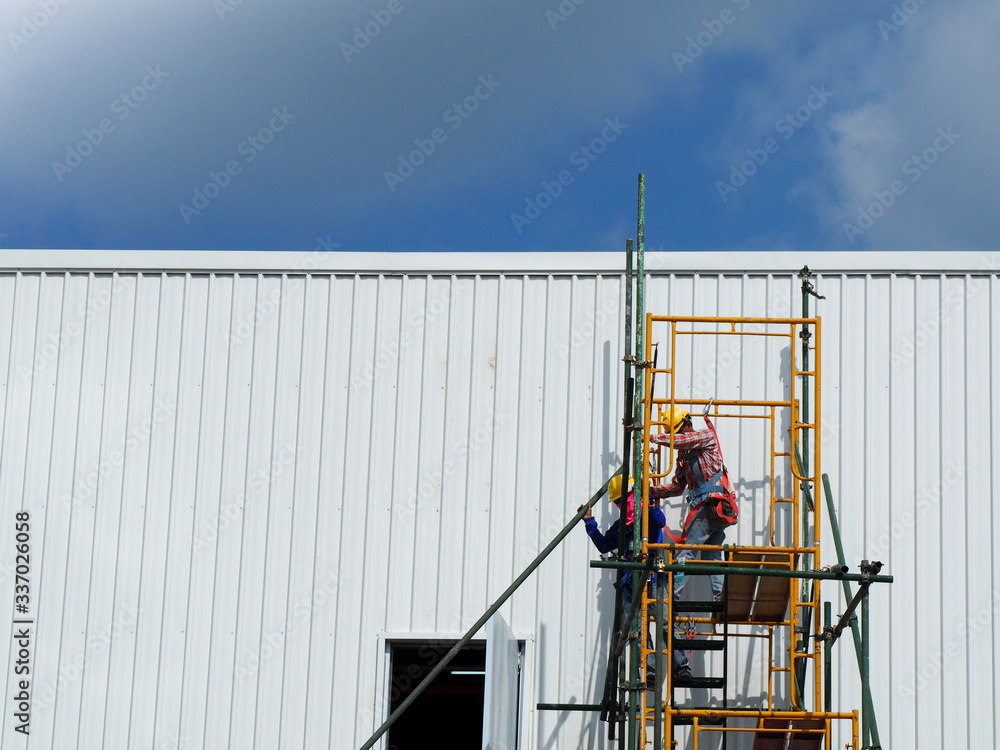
675,419
615,488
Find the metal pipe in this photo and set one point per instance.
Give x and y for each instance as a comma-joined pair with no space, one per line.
828,657
705,569
486,616
658,663
804,440
728,319
640,351
633,610
866,697
628,407
847,617
637,457
568,706
622,714
865,668
740,713
610,702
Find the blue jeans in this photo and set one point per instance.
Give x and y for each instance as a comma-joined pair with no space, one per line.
700,531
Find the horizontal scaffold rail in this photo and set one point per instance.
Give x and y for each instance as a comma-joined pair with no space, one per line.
758,549
696,569
767,403
750,321
759,714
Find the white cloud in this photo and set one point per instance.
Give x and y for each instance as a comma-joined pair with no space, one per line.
938,72
354,118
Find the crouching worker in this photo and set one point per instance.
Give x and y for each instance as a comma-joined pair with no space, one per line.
608,541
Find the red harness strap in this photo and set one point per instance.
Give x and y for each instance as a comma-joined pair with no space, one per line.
687,522
694,511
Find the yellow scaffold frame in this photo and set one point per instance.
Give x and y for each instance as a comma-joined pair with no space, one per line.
797,555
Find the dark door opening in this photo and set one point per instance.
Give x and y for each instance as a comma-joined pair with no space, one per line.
449,713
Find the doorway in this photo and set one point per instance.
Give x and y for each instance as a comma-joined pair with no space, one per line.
449,713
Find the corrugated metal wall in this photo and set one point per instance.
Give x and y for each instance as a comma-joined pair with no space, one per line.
240,481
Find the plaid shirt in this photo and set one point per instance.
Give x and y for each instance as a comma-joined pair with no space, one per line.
699,446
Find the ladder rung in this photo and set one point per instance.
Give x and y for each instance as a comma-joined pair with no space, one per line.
699,682
685,606
803,372
686,721
699,644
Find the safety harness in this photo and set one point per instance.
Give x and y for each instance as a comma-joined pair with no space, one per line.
723,510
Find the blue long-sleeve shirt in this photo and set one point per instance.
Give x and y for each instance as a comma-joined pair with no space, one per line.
608,542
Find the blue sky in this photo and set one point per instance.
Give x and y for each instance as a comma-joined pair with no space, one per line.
399,125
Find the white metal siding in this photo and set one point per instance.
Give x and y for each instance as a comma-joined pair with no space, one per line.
241,476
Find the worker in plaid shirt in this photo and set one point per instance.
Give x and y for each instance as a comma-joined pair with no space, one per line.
698,469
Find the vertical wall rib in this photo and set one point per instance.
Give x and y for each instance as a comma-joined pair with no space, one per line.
240,482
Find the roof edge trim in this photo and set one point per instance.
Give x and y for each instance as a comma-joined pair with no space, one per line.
495,263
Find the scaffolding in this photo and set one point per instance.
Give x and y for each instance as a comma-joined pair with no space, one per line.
771,590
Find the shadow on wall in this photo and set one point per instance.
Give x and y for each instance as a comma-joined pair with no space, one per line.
610,460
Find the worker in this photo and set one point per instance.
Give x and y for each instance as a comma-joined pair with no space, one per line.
608,542
699,468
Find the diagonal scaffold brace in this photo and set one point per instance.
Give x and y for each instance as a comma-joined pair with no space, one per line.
470,634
